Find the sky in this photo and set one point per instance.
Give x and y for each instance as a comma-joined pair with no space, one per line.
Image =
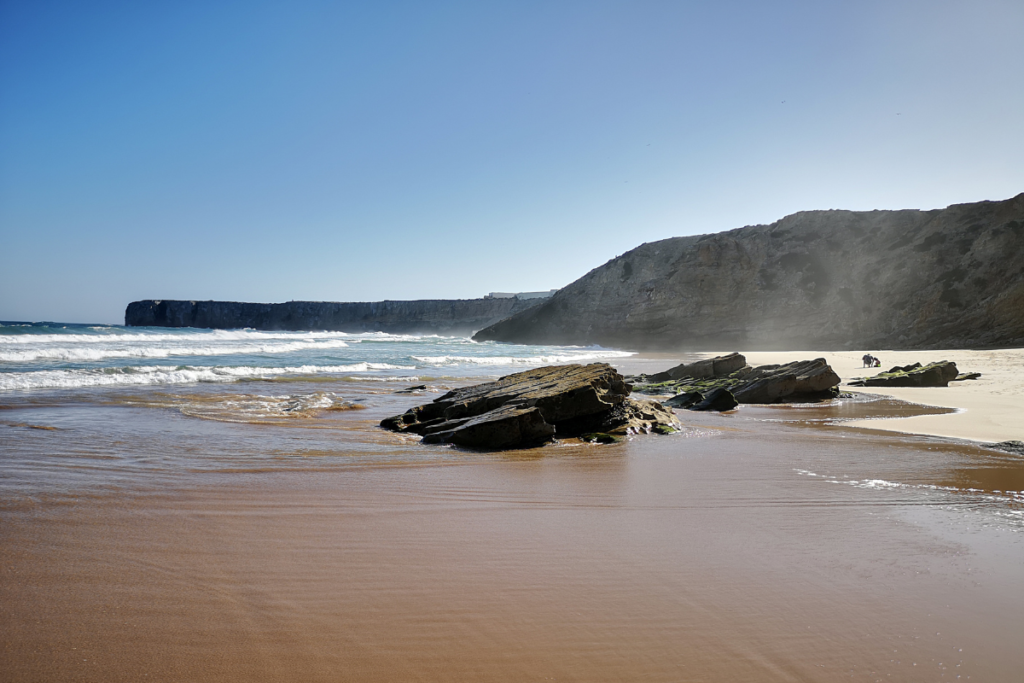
276,151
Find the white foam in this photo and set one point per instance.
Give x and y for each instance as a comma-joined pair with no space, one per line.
168,374
1016,497
517,360
101,349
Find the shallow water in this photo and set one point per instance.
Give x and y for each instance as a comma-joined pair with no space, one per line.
267,530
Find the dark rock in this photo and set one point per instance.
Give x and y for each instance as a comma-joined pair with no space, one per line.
598,437
908,279
629,417
966,375
409,390
719,400
528,407
509,426
1015,447
932,375
905,368
798,381
684,400
720,366
807,380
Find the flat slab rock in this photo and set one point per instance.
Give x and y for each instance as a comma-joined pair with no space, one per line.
938,374
531,407
792,382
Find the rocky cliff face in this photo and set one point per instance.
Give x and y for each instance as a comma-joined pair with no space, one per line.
434,316
814,280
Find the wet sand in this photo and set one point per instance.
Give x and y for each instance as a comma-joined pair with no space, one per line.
773,544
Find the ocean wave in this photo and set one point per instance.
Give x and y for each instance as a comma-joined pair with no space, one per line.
516,360
99,352
248,408
168,374
183,336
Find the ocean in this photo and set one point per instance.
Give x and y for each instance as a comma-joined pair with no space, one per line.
54,356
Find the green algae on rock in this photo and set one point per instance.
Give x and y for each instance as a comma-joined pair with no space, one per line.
693,384
938,374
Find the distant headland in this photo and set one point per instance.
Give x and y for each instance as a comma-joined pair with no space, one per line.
456,317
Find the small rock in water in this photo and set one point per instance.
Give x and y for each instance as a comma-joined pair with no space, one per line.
599,437
409,390
684,400
719,400
1015,447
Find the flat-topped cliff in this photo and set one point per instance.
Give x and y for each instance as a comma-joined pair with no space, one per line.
433,316
817,280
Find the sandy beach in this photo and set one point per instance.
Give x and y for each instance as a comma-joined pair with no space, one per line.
268,530
989,408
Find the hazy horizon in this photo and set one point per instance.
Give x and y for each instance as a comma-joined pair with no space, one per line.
308,151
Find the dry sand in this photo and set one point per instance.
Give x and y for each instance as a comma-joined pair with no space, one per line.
991,407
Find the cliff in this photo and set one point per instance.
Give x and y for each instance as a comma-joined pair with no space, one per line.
432,316
816,280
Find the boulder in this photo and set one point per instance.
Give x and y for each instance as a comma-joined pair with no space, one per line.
806,380
800,380
720,366
684,400
938,374
719,400
531,407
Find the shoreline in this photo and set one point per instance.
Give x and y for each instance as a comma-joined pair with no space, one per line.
988,408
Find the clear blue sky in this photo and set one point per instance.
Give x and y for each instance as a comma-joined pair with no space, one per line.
361,151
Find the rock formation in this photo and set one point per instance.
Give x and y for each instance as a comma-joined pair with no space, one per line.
438,316
949,278
720,366
699,386
531,407
932,375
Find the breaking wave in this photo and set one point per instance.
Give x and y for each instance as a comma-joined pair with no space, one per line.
57,356
168,374
100,352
